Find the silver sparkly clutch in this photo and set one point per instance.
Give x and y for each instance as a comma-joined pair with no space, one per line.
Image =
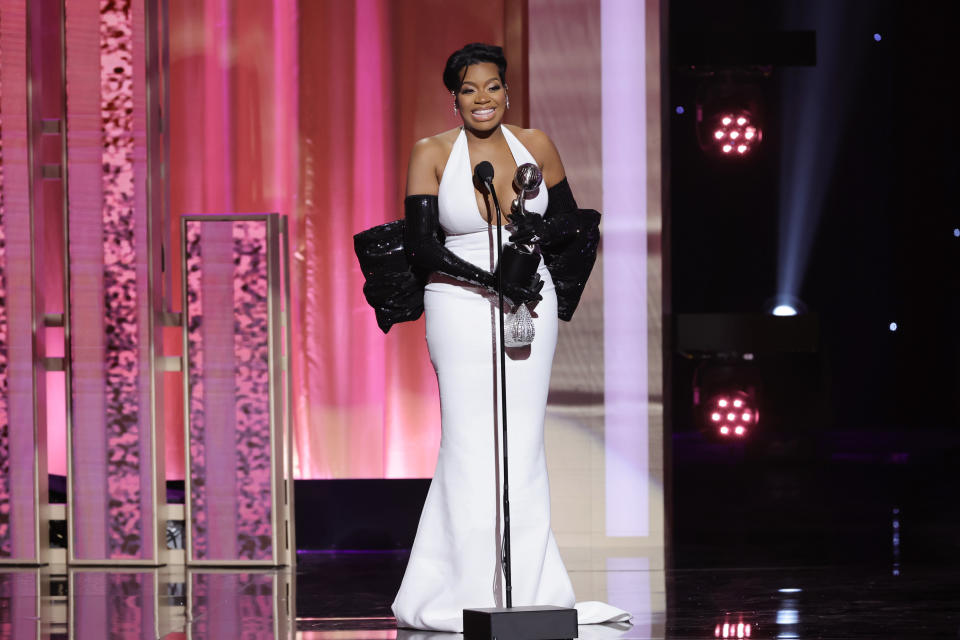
518,327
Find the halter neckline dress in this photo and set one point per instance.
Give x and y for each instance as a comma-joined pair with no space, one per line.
456,557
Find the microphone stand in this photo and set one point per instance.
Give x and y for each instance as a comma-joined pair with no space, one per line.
544,622
503,402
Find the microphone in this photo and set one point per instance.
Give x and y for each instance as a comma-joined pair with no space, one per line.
484,173
515,264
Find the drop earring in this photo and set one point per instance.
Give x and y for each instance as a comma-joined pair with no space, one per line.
508,102
455,109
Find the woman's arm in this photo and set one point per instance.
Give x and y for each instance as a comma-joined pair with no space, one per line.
551,166
422,176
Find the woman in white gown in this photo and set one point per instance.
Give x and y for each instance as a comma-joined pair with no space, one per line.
455,562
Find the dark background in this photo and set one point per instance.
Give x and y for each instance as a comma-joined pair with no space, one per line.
865,430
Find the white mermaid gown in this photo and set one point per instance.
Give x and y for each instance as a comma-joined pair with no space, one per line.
455,560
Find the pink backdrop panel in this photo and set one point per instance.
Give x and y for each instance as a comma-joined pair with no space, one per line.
366,404
233,122
310,109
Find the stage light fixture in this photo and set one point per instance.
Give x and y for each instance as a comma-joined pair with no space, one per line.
729,114
726,404
735,132
728,422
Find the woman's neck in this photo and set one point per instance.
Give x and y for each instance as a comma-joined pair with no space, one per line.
485,136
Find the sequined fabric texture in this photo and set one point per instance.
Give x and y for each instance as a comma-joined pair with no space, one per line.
393,287
571,261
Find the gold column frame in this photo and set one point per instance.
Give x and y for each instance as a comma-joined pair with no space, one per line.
34,123
283,544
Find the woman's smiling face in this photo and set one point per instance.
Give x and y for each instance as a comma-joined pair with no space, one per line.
482,97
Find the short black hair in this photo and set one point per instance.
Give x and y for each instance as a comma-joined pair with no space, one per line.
472,54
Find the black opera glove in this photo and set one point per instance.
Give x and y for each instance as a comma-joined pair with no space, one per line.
516,294
558,225
425,250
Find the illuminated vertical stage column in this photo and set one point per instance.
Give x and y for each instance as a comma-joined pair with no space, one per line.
633,330
116,489
24,537
237,390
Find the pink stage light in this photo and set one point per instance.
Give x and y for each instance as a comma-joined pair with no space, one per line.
733,630
738,128
731,413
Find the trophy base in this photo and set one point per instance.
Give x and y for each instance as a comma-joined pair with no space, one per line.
520,623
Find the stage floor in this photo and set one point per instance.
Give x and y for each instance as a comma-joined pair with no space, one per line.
346,596
831,551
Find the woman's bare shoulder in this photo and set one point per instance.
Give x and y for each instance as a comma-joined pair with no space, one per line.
435,147
534,136
428,159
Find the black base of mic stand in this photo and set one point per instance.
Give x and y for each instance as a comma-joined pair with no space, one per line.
520,623
513,623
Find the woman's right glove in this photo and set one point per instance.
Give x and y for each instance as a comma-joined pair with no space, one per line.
516,294
559,224
424,250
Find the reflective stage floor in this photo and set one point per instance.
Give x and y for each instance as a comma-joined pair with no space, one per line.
825,551
347,596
